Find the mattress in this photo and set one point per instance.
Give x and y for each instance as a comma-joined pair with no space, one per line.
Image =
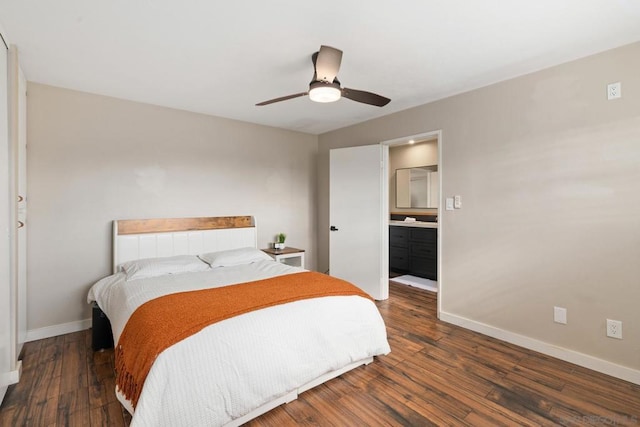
232,367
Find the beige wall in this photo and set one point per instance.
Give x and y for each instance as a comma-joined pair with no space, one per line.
549,174
93,159
410,156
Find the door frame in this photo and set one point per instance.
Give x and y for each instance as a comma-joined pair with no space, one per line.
385,188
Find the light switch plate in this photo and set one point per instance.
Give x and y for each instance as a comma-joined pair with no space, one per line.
449,203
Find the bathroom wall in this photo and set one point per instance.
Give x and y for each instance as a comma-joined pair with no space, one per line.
424,153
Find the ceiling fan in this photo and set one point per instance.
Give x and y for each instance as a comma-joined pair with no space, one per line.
325,86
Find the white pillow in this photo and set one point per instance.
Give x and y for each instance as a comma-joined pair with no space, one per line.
234,257
152,267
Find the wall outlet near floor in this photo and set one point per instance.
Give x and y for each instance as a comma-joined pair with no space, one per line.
560,315
614,329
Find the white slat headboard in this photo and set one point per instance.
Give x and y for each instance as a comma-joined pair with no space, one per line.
151,238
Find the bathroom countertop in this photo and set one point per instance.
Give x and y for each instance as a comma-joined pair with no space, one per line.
421,224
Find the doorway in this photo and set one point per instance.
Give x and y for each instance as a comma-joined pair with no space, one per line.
438,205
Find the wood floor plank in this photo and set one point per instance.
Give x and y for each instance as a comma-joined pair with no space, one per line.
371,411
74,401
461,369
42,412
273,419
560,398
412,410
541,378
489,419
465,377
526,404
323,398
401,349
101,392
107,415
431,404
305,414
75,419
74,366
439,381
44,394
52,355
13,415
437,374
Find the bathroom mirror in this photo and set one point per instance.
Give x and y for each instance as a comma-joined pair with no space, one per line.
417,187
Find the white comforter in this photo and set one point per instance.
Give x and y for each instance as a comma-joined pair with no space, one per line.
234,366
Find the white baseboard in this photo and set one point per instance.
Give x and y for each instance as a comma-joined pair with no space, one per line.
55,330
11,377
581,359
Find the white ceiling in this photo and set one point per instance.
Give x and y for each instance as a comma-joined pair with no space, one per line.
221,58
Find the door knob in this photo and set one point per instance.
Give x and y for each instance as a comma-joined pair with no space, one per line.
333,228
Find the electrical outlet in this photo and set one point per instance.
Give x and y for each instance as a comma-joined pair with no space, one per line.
614,329
457,202
560,315
614,91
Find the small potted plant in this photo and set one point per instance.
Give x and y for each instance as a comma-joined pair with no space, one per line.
280,238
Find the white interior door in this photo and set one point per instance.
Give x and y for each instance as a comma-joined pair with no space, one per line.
358,211
5,224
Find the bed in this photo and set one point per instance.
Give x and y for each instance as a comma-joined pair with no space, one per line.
235,369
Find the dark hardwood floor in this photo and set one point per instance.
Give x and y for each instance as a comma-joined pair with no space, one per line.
436,374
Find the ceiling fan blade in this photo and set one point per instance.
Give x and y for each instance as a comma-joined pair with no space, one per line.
282,98
365,97
327,63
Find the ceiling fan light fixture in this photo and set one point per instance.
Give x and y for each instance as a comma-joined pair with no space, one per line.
324,92
325,86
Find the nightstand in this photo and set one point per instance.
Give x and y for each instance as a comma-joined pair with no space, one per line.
289,256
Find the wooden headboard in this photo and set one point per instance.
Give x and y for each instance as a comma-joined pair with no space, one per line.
150,238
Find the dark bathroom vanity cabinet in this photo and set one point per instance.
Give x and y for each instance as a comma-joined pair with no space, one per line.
414,250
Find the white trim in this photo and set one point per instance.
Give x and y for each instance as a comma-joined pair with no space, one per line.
581,359
418,136
55,330
401,141
11,377
384,222
440,222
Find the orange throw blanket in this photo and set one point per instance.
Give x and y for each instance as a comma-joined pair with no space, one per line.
159,323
